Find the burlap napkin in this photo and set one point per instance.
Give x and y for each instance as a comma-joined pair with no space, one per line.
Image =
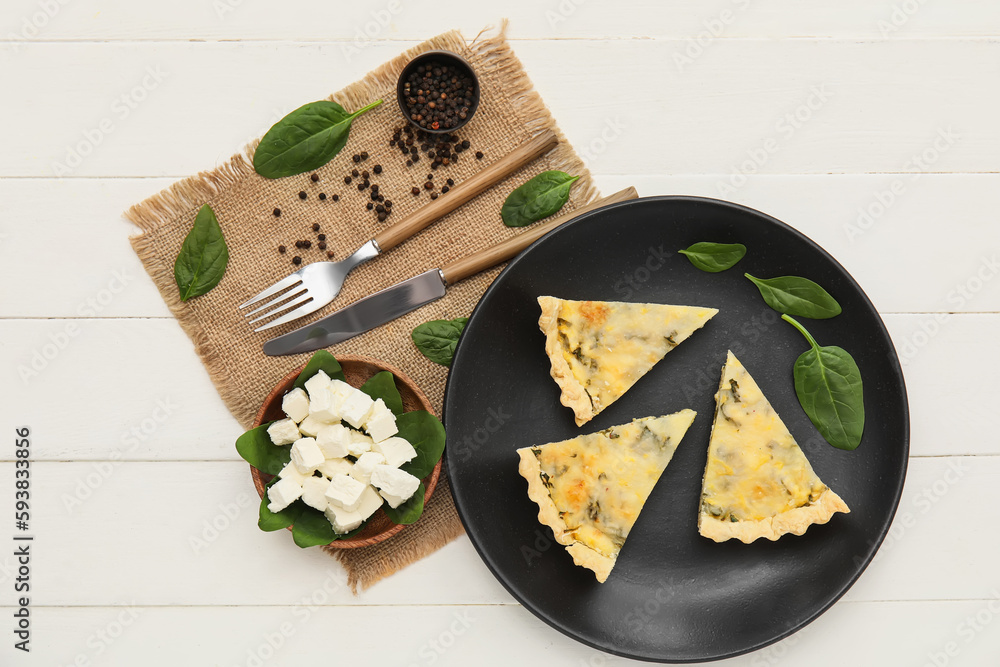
510,113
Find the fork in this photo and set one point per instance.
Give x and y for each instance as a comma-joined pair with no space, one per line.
317,284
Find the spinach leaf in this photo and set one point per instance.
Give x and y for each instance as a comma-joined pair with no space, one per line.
269,521
383,385
256,448
202,260
437,339
539,198
407,512
714,257
426,433
321,361
305,139
793,295
828,385
312,528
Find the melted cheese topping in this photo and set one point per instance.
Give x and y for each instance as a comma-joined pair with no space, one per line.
755,468
610,345
600,481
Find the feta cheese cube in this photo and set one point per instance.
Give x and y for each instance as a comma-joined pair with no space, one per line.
370,502
314,492
345,492
341,390
343,521
295,404
381,424
395,485
282,494
311,426
322,407
306,455
292,473
334,441
283,432
360,443
332,467
355,408
362,470
396,451
319,382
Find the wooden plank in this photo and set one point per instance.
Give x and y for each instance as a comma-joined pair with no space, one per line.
394,20
881,633
91,255
744,106
200,517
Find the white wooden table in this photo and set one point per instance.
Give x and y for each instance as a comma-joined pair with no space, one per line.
873,127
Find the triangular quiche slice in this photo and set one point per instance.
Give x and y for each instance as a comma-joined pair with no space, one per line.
591,488
758,482
599,349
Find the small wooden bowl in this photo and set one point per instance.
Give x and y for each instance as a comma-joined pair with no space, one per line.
358,370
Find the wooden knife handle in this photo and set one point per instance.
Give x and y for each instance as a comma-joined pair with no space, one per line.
466,190
501,252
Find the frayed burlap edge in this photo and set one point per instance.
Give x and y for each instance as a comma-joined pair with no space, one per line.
192,192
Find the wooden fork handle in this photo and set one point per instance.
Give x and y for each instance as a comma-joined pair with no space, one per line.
501,252
466,190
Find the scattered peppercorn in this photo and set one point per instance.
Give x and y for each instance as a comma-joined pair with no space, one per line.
415,191
434,195
380,208
445,189
356,158
450,182
388,203
430,177
302,194
409,163
354,172
329,253
277,212
369,206
479,155
361,187
296,260
364,155
428,185
381,217
281,249
314,178
347,180
336,197
377,169
321,245
321,237
465,144
307,244
322,196
315,226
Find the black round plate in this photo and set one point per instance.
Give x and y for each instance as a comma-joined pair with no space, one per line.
673,596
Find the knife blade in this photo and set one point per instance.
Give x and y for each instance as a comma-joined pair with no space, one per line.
361,316
401,298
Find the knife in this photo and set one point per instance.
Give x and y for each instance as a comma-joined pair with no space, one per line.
392,302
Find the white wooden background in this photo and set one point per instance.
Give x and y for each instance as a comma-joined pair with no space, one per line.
147,549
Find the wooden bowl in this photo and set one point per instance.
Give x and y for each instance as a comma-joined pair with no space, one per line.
357,370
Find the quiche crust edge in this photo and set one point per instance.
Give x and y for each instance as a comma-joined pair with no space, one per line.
572,394
548,515
794,521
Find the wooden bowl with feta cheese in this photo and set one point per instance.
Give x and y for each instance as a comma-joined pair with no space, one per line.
357,370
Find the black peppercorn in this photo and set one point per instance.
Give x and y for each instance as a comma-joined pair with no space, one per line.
315,226
307,244
434,195
365,175
347,180
479,155
409,163
322,196
380,208
445,189
329,253
415,191
465,144
381,217
296,260
361,187
277,212
302,194
388,203
369,206
336,197
281,249
377,169
356,158
314,178
354,172
321,237
321,245
428,185
364,155
450,182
